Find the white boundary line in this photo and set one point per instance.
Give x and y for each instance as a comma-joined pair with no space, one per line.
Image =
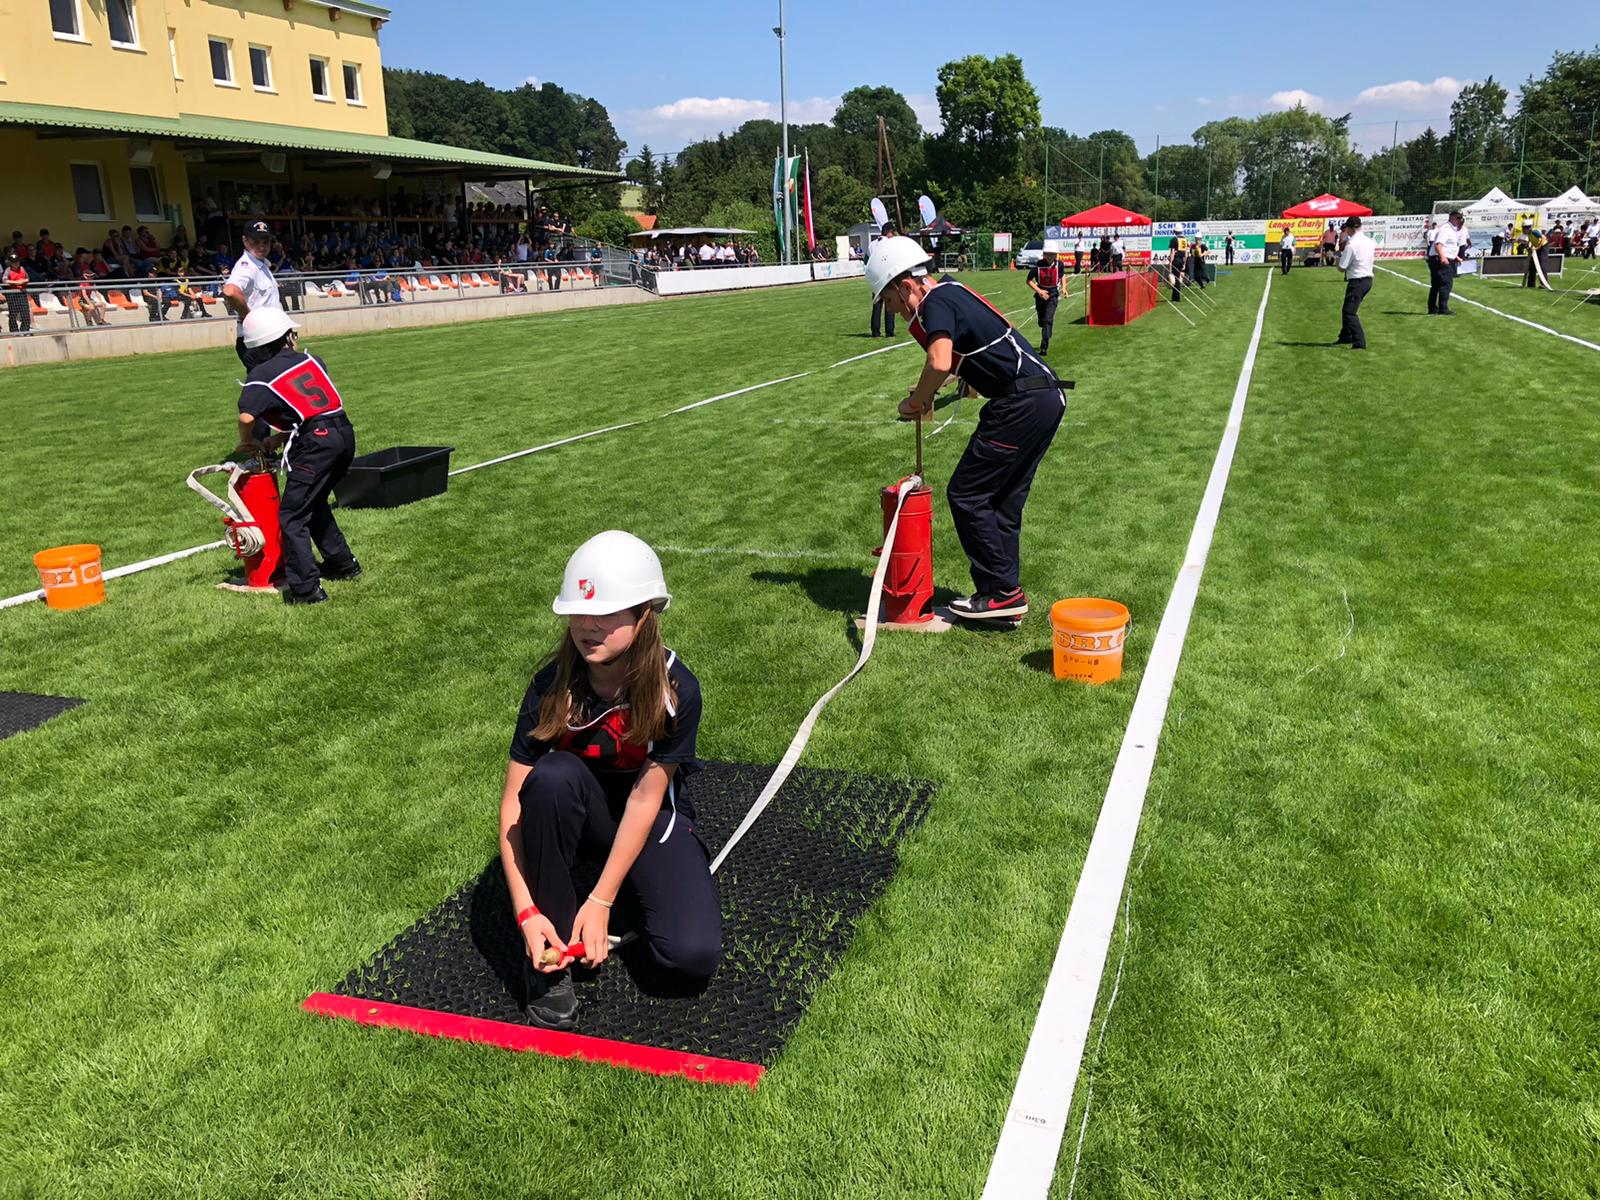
547,446
754,387
1030,1139
870,353
1566,337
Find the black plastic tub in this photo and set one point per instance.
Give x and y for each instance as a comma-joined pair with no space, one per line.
396,476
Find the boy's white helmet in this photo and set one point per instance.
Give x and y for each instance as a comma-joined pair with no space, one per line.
891,258
610,572
263,325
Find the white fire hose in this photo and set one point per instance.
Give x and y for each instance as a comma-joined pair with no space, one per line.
244,531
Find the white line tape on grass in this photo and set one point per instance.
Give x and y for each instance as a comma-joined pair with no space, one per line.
754,387
547,446
1566,337
1030,1140
870,353
119,572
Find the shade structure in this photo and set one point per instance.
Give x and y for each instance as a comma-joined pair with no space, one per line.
1102,215
1327,205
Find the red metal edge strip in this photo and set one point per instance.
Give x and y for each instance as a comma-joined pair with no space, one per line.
651,1059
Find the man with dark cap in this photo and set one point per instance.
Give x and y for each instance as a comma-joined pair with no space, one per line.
250,284
882,315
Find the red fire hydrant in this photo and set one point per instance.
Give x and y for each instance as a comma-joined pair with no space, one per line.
908,582
259,492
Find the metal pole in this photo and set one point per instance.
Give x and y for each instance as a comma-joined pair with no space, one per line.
1047,183
1158,172
1455,154
1589,160
1208,181
783,113
1522,150
1102,173
1394,149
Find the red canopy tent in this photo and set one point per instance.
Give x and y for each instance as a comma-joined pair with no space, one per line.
1106,214
1328,206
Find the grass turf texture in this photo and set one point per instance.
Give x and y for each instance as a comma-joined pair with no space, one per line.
258,798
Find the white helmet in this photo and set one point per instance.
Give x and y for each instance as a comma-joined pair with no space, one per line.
891,258
263,325
610,572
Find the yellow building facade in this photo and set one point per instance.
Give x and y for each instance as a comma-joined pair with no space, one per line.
121,112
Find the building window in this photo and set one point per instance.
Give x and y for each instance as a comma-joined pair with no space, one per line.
319,79
222,62
64,21
352,82
261,68
89,190
172,49
146,194
119,16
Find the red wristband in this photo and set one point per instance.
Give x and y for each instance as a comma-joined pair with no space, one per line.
522,917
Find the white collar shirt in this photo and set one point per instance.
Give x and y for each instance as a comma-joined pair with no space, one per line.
1355,260
253,277
1447,242
1287,241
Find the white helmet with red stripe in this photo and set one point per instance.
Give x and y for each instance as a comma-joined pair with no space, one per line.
611,572
891,258
264,325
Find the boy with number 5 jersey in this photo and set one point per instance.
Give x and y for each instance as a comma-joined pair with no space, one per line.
291,390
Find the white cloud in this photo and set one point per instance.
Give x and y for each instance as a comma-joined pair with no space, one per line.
1410,93
696,117
1296,96
533,81
926,106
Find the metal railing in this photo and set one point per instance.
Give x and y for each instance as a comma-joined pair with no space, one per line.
55,306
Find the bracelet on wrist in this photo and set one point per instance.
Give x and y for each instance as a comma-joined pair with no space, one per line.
522,917
602,903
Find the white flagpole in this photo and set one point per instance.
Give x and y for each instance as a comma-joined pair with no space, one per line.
783,112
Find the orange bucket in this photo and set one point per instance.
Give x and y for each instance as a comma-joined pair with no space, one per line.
1088,636
70,576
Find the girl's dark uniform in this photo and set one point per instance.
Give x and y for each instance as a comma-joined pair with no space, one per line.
573,801
1047,276
292,390
1026,401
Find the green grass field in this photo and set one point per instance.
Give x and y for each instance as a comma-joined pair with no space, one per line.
1362,911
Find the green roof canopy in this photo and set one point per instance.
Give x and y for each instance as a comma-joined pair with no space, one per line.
252,136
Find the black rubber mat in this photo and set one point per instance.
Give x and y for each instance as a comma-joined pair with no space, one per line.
22,711
792,892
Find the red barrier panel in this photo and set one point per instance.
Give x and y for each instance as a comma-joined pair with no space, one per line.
1121,297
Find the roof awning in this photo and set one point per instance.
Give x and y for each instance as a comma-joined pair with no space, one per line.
1327,205
697,231
249,138
1104,215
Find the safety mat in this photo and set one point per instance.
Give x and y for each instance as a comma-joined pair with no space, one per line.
792,892
22,711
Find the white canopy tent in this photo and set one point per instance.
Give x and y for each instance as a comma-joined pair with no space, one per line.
1570,202
1495,201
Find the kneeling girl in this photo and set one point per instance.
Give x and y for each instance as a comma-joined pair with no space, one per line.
604,744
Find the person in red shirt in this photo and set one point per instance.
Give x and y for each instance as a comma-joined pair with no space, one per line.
16,285
45,248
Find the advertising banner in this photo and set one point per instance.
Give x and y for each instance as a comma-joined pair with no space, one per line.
1135,240
1002,243
1398,236
1249,238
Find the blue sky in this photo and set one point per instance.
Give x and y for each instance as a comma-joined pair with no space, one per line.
671,72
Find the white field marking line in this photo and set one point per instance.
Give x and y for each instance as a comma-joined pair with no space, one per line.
754,387
119,572
1566,337
1105,1019
547,446
1030,1138
902,345
797,744
757,552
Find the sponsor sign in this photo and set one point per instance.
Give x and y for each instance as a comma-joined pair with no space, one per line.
1249,238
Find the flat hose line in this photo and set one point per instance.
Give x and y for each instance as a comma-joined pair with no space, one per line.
797,745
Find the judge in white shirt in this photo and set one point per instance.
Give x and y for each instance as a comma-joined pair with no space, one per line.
1355,260
1443,252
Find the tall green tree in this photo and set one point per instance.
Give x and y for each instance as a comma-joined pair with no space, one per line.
987,107
1558,119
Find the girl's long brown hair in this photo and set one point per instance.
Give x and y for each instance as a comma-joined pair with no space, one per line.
645,688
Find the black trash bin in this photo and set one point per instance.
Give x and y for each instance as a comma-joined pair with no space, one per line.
396,476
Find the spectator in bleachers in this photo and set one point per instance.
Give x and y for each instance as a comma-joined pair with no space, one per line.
147,251
45,248
90,303
158,300
18,313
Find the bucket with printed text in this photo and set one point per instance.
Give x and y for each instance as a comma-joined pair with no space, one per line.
1088,634
70,576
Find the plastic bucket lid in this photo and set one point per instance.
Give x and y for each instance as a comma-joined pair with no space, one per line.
66,556
1089,614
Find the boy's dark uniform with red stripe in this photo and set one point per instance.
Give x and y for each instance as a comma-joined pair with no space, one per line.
1025,404
292,390
1048,277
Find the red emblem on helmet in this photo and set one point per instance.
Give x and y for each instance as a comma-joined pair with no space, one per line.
586,589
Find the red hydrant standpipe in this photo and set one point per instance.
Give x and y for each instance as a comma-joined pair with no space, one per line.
908,583
260,495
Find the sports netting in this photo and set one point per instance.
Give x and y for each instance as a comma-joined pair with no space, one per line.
22,711
792,893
